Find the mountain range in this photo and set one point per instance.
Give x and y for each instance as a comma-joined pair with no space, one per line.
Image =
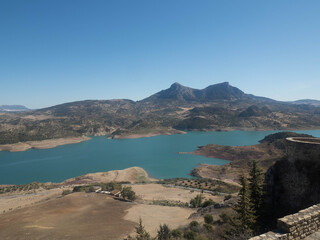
12,108
217,107
307,102
220,91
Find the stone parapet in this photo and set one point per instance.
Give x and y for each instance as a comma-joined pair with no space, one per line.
302,148
295,226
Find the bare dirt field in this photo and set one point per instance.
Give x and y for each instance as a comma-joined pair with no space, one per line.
150,192
15,201
75,216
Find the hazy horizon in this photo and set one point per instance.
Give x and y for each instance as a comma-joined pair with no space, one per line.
54,52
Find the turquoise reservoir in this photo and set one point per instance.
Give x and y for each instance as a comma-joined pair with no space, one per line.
157,155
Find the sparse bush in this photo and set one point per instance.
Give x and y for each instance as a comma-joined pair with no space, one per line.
193,224
190,235
176,233
229,196
104,187
208,219
208,203
208,227
66,192
170,203
197,201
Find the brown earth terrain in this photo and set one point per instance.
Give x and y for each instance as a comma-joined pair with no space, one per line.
47,214
240,158
154,215
133,174
271,148
75,216
259,151
93,215
9,202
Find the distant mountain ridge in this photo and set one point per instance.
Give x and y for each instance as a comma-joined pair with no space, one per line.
218,107
12,108
307,102
178,92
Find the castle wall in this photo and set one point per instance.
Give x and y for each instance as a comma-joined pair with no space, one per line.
295,226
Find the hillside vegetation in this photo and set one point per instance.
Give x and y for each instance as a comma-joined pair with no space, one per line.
217,107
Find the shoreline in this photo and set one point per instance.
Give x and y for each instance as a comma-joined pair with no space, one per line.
55,142
146,135
42,144
164,133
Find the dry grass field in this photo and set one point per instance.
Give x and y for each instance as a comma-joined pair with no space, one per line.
150,192
153,215
75,216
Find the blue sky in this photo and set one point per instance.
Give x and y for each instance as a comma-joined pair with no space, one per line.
58,51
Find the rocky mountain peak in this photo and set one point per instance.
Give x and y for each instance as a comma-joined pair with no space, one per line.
178,92
176,85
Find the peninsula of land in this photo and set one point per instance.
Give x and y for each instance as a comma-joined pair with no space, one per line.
270,149
42,144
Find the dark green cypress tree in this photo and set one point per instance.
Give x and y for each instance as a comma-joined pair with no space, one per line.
142,234
163,232
245,218
256,191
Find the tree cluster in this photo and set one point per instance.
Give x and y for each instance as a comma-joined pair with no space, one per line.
248,209
128,193
197,202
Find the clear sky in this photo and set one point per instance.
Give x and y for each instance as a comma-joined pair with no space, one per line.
56,51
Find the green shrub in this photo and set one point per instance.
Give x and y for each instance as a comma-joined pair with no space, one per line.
197,201
191,235
176,233
208,226
207,203
193,224
208,219
128,193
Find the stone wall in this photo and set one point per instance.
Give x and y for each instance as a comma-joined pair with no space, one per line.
302,148
295,226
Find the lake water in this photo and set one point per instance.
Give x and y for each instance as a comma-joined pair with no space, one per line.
157,155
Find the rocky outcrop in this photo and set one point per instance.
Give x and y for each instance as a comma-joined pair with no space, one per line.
293,183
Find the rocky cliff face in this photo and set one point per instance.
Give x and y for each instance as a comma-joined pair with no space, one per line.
293,183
